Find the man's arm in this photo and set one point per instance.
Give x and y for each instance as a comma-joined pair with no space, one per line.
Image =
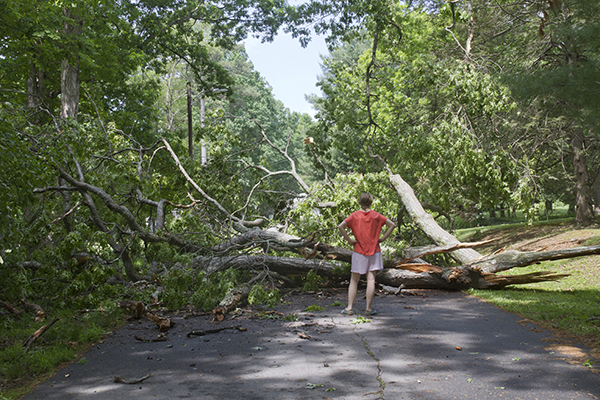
342,229
391,225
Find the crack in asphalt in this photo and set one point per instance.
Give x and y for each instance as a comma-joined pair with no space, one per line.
380,392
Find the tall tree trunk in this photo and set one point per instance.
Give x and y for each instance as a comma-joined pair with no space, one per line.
471,32
596,190
584,213
35,87
69,76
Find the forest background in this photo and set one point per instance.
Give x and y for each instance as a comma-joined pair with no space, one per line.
137,138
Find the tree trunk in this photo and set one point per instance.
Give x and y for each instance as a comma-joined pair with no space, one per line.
426,222
596,191
477,271
283,265
35,87
69,76
584,213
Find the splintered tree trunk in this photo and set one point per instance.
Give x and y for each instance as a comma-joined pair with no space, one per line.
231,300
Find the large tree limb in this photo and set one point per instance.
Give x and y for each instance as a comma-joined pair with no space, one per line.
218,205
275,240
413,253
283,265
127,215
515,259
426,222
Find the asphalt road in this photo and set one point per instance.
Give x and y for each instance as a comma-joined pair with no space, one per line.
429,345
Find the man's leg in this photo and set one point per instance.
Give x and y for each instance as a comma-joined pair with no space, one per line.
370,289
352,289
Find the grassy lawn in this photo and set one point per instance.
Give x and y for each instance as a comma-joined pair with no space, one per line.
68,338
570,305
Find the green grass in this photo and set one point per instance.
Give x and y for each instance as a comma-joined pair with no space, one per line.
569,305
314,308
474,234
62,342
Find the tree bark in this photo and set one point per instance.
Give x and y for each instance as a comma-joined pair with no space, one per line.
36,89
426,222
584,212
596,191
235,296
286,266
69,77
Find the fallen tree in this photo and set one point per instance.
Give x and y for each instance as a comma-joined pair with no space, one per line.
248,246
475,271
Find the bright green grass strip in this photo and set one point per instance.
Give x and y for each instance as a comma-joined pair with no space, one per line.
71,334
571,304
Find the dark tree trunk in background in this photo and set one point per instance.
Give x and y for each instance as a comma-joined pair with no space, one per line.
584,213
596,190
69,76
35,87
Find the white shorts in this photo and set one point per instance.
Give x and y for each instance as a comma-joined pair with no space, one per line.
362,264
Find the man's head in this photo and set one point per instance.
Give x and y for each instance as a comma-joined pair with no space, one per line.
365,200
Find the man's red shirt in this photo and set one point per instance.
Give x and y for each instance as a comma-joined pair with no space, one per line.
366,227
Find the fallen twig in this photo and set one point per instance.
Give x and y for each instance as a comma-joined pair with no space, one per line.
27,343
156,339
216,330
136,308
392,289
131,381
10,308
163,323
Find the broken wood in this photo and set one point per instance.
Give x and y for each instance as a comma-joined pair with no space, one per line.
40,314
136,308
303,335
516,259
500,281
426,222
392,289
35,336
234,297
215,330
419,267
10,308
164,324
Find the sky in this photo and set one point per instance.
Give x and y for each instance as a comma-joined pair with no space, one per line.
290,70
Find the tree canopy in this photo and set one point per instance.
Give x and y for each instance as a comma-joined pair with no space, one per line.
482,106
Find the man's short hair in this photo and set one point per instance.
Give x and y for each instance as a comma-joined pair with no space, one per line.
365,199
